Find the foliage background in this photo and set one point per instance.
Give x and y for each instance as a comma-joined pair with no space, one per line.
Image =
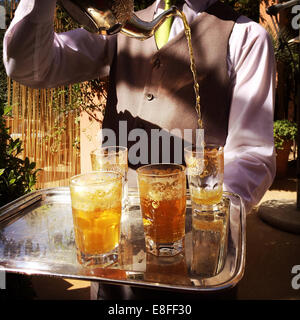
17,176
284,130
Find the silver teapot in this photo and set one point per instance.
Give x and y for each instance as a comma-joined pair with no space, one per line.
112,16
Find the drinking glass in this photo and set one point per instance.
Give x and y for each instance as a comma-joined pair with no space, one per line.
112,158
162,191
205,171
96,207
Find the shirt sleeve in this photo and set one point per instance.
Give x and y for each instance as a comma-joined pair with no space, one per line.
36,56
249,151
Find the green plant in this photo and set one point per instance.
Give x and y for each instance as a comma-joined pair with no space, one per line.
287,57
284,130
17,176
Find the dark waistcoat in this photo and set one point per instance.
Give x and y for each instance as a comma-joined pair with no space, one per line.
153,89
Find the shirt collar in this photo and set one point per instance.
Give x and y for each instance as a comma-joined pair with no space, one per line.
195,5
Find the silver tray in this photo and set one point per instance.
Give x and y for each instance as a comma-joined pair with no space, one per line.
36,237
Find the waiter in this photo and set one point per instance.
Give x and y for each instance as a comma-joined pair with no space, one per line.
151,85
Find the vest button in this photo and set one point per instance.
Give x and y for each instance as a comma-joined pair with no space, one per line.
149,96
156,63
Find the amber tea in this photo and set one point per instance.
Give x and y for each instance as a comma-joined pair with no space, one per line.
162,189
205,170
96,207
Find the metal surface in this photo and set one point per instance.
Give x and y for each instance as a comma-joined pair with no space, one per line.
36,237
110,17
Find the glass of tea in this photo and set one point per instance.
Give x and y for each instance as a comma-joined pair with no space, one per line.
96,207
112,158
162,191
205,171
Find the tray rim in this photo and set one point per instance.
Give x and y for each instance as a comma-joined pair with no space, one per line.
12,209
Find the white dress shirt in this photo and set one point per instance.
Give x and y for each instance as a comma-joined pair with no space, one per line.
37,57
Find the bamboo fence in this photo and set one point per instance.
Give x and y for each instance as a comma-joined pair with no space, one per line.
47,133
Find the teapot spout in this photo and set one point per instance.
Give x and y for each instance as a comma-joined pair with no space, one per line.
142,30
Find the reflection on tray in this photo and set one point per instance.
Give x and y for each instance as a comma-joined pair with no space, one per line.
167,269
210,240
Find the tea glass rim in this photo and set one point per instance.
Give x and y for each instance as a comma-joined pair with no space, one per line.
180,166
101,150
118,176
213,146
